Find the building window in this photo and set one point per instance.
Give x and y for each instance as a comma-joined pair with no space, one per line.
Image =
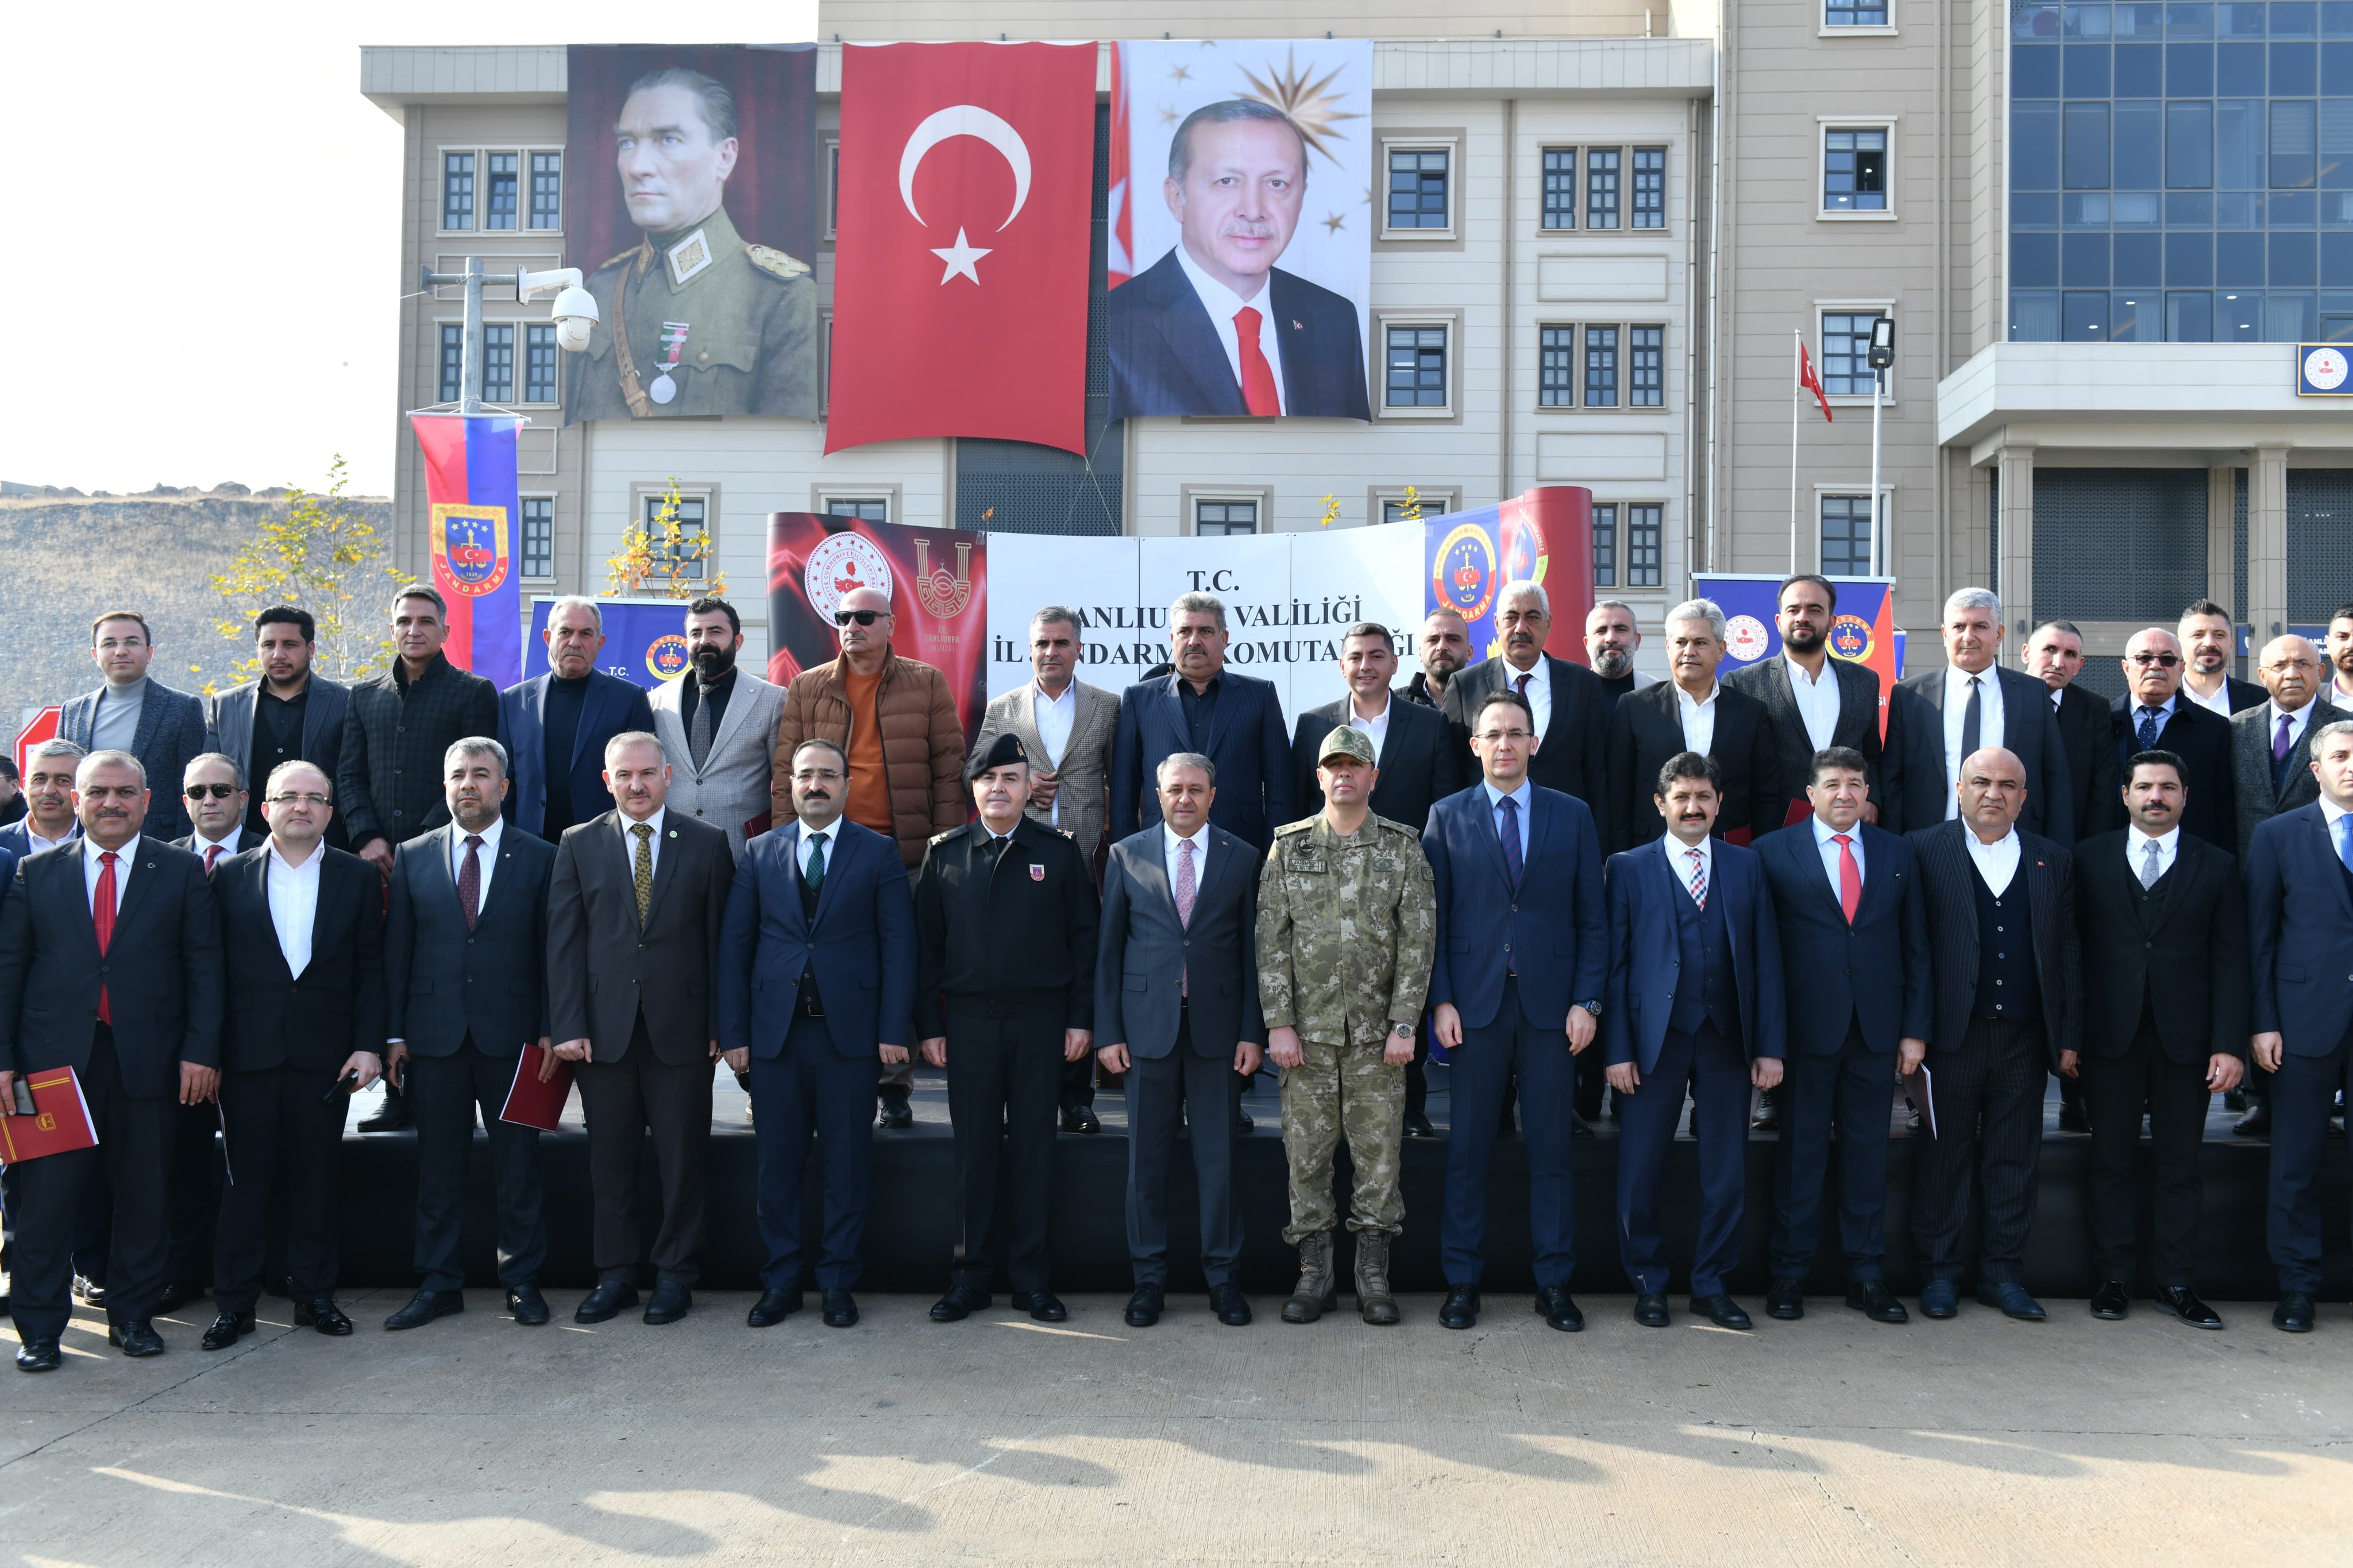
1645,531
1601,367
694,521
539,536
1605,546
498,365
865,508
1650,187
1854,14
1212,519
1646,369
1417,368
1417,188
457,190
832,186
1846,536
1560,187
453,362
1846,348
1601,188
506,189
539,365
1855,170
547,190
1556,368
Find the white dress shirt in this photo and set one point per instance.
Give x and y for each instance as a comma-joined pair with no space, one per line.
1520,798
823,838
1699,718
1996,862
2274,713
1956,708
1200,843
1679,861
490,837
199,844
1822,831
1055,718
35,843
2337,696
91,869
1817,700
630,840
293,903
1377,727
2218,703
2168,844
1222,302
1539,691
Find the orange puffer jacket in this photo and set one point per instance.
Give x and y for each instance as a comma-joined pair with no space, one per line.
923,744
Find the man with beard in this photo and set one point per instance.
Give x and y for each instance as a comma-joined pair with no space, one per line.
2338,692
1611,640
290,714
718,728
1812,701
2208,639
1444,646
1566,699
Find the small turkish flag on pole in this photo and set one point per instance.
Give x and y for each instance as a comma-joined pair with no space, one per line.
1810,381
960,292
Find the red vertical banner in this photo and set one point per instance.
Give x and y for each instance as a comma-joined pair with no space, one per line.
1543,536
966,185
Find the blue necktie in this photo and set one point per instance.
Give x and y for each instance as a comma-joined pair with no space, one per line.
2345,841
1507,827
2148,717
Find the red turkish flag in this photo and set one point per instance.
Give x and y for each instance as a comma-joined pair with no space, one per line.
960,285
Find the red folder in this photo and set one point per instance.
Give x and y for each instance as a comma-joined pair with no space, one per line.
57,1124
531,1103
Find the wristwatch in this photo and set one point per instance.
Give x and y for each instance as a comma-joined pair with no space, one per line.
1592,1007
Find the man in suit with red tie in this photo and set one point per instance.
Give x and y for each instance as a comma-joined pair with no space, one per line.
110,964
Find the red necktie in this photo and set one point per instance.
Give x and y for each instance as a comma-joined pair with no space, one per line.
1257,376
101,916
470,880
212,858
1850,877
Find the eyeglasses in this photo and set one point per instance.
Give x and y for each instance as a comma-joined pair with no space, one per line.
312,801
863,617
218,791
2162,660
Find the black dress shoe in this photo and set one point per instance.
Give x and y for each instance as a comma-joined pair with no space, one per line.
1081,1119
1873,1301
322,1313
37,1355
391,1118
1143,1307
893,1114
669,1303
1042,1305
840,1311
1417,1125
138,1338
2234,1100
1558,1312
426,1306
603,1304
2013,1301
1462,1308
2073,1119
526,1304
961,1302
1651,1310
1785,1300
2255,1123
227,1329
1231,1307
772,1308
2294,1312
2184,1305
1722,1311
175,1296
2112,1300
1243,1125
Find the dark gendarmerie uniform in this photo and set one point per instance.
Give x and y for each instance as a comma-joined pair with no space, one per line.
1005,963
750,344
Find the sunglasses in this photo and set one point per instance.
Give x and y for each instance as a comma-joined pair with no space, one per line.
218,791
2162,660
863,617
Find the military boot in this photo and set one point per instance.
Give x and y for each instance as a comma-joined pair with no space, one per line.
1315,1294
1373,1298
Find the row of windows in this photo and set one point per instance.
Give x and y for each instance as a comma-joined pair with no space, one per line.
1561,372
2198,145
487,190
1605,168
2145,21
2177,71
2180,316
1642,548
538,367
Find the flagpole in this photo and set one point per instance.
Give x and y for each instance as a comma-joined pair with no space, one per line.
1796,405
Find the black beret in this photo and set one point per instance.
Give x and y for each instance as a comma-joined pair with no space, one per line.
1006,751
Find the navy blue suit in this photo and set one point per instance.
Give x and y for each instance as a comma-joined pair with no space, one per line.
1694,996
1246,739
1854,991
608,707
1165,356
812,996
2300,944
1511,960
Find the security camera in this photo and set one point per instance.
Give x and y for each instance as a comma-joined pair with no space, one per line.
576,313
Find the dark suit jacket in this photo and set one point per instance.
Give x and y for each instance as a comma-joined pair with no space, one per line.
861,945
228,730
604,968
1949,877
1166,357
162,971
2087,732
1570,753
1422,759
2031,731
1648,728
1643,949
1023,927
2251,754
1552,923
2300,933
388,775
2243,695
1143,950
2184,952
444,983
1875,971
16,839
1247,741
607,708
1768,680
316,1019
171,731
2202,741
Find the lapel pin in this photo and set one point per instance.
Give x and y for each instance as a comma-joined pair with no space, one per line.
1036,873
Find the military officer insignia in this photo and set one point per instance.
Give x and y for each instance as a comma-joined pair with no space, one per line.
689,258
1036,872
769,259
674,338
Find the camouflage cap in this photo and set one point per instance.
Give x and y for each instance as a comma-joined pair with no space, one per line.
1347,742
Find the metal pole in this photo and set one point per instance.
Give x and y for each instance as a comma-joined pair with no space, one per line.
1878,381
470,391
1796,403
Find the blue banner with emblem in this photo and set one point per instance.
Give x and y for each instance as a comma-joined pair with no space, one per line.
644,640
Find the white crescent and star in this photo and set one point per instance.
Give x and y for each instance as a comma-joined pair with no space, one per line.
965,120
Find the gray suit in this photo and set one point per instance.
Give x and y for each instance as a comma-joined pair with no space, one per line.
731,788
1084,792
228,730
171,731
2251,763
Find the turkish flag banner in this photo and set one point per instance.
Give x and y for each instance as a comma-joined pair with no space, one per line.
960,295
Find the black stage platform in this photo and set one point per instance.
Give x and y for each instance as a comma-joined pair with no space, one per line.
910,1231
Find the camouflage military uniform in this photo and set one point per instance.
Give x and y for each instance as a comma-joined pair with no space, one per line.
1346,931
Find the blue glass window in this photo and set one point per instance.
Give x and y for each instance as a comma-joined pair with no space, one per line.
2087,147
1855,170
